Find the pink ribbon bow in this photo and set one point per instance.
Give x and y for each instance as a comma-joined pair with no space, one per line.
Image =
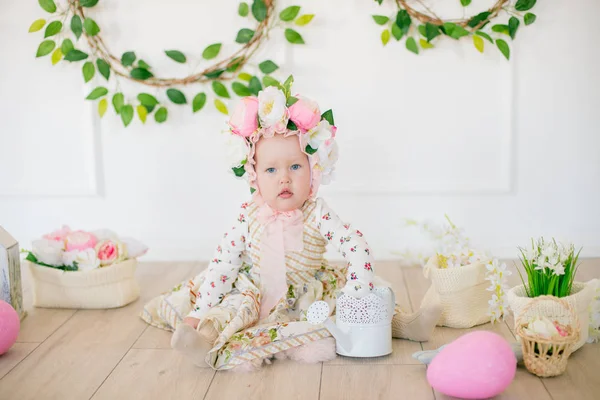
282,232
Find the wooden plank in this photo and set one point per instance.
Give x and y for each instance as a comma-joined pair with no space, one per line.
155,374
77,358
281,380
17,353
375,382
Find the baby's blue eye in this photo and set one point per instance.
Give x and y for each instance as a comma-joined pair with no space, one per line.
270,170
295,167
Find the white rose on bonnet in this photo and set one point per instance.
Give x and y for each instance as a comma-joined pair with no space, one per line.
48,251
86,259
237,150
272,111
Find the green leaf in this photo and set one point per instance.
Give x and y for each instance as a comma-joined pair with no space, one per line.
243,9
144,64
45,48
220,89
478,43
385,36
142,113
88,71
304,19
239,171
245,77
259,10
141,74
397,32
240,89
479,18
48,5
529,18
501,28
425,44
403,21
102,107
310,150
127,114
176,96
432,31
76,26
455,31
128,58
211,51
289,13
465,2
76,55
91,27
291,126
37,25
103,68
67,46
270,81
380,19
411,45
118,101
293,37
148,101
235,64
291,101
485,36
199,102
244,35
422,30
503,47
524,5
176,55
513,25
161,115
53,28
267,67
328,116
98,92
214,74
219,105
254,86
57,55
287,85
88,3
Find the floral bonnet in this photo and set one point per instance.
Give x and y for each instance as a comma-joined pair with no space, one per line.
276,111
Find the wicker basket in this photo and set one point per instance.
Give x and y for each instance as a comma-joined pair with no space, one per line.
546,357
101,288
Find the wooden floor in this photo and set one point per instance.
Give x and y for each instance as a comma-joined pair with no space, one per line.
113,354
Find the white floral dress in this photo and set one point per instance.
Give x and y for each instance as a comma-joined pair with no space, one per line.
228,292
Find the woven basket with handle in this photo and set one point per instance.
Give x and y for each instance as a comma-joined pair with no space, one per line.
546,357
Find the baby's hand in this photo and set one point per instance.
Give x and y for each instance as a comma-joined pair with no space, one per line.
357,288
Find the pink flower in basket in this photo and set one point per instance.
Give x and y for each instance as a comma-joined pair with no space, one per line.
58,235
80,240
110,251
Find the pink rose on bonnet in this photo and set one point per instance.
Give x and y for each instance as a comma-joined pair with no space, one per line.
305,114
244,120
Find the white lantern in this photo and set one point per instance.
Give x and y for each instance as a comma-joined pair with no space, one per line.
10,273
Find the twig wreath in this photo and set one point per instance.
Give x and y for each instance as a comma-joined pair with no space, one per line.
130,67
420,25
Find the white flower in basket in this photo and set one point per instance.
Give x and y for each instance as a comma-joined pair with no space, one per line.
470,284
80,269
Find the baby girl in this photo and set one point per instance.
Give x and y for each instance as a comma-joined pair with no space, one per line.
250,304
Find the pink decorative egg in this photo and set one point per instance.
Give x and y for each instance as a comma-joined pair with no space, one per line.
478,365
9,326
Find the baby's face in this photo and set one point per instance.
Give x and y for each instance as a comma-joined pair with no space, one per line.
283,172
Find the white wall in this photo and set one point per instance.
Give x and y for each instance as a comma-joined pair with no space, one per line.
509,150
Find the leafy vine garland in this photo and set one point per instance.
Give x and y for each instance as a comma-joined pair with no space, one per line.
98,58
420,25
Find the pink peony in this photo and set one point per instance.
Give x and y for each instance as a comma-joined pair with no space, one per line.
58,235
305,114
79,240
110,251
244,119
